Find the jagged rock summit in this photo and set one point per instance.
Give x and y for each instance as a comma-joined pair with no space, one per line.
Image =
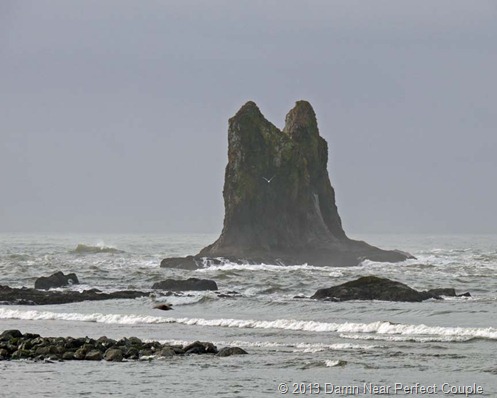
279,202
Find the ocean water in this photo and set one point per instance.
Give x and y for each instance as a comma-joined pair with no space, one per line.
352,348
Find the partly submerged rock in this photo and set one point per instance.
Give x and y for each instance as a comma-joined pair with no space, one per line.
279,202
56,280
186,284
229,351
25,296
375,288
88,249
188,262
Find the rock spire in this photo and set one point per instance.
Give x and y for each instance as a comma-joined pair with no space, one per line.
279,202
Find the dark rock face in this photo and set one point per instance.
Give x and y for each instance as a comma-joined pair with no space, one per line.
56,280
188,284
279,202
188,262
374,288
229,351
15,345
25,296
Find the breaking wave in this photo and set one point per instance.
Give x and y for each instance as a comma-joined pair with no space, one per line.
412,338
379,328
229,266
88,249
331,364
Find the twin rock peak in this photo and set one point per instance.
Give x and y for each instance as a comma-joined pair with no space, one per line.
279,203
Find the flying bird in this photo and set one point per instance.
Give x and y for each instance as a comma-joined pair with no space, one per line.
268,181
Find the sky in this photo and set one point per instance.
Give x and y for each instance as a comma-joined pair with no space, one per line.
114,114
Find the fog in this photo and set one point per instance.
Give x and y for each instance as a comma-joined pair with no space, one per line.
114,114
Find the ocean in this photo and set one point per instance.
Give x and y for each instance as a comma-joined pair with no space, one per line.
296,346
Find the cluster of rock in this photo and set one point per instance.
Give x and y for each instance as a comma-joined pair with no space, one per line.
364,288
15,345
41,295
375,288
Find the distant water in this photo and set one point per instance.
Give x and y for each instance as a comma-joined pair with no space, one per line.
330,345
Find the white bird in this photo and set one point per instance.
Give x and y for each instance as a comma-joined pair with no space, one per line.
268,181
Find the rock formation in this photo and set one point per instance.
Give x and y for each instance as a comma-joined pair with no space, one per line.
279,202
56,280
15,345
375,288
26,296
190,284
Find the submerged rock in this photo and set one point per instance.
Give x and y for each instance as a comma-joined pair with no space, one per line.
375,288
56,280
279,203
186,284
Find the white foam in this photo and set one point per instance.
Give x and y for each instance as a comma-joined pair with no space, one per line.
100,247
318,347
379,327
229,266
330,364
418,339
298,347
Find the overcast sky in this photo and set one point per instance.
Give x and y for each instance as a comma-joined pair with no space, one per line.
113,114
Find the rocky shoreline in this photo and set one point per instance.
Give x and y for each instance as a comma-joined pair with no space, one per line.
15,345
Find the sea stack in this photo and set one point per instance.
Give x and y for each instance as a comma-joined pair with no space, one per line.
279,202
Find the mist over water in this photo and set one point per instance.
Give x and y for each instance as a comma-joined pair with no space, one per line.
288,339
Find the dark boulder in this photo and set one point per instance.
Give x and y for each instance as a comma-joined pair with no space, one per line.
94,355
200,347
4,354
375,288
188,262
113,355
186,284
56,280
229,351
10,334
279,203
448,292
167,352
68,356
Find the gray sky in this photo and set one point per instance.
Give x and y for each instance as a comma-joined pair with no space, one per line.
114,113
